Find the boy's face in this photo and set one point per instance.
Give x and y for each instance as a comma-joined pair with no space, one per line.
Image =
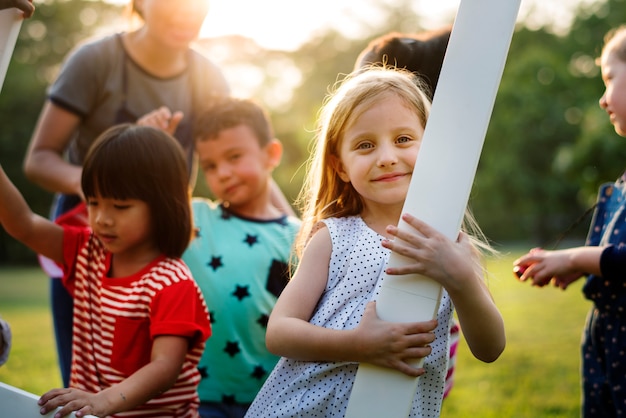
237,169
613,101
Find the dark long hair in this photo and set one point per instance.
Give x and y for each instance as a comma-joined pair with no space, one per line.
139,162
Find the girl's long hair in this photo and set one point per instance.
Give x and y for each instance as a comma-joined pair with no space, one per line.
324,194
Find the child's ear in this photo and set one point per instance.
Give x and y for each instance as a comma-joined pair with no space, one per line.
337,165
274,150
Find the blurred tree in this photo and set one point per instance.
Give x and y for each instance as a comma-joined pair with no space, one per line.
548,146
598,154
518,177
43,41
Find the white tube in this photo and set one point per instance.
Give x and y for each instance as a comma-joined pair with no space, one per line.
10,23
441,182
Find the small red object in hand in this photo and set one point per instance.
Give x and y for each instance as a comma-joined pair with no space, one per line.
519,270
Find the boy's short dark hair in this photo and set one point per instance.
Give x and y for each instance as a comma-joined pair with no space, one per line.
229,112
140,162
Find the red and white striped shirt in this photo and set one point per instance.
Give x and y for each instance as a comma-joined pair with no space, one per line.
116,320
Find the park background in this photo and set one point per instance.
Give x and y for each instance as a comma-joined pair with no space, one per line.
548,148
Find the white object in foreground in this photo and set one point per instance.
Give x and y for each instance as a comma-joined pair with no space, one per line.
17,403
10,24
441,182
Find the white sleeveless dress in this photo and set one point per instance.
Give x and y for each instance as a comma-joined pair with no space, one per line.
322,389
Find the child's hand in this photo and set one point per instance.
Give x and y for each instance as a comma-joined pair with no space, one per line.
395,345
26,6
162,118
73,400
434,255
543,267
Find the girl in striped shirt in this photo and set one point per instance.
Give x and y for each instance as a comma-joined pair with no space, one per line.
140,321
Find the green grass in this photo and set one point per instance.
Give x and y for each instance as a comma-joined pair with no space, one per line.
24,303
538,373
536,376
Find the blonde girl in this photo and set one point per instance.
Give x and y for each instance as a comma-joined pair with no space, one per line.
325,321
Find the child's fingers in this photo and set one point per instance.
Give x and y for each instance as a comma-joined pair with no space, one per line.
422,328
174,121
419,225
409,370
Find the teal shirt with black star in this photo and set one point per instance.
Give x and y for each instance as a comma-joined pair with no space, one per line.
241,266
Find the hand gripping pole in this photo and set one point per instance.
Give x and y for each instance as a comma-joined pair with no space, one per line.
441,182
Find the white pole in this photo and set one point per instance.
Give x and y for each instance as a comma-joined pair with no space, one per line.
10,24
441,182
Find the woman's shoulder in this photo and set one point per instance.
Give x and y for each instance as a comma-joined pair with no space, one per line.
95,52
97,45
207,75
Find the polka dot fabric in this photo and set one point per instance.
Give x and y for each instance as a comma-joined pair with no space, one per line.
604,338
322,389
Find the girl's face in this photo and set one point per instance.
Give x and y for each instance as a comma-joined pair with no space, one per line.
173,23
378,150
237,169
614,98
123,226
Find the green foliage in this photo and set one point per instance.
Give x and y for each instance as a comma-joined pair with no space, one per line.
537,375
548,147
43,42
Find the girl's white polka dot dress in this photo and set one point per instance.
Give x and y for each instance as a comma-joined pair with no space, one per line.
322,389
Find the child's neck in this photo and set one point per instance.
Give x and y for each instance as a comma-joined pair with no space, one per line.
378,219
154,58
129,263
264,212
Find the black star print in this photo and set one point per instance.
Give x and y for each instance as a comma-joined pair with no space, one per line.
232,348
263,320
216,262
228,399
241,292
251,239
259,372
203,372
225,214
277,277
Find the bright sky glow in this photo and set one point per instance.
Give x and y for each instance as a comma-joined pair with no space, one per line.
287,24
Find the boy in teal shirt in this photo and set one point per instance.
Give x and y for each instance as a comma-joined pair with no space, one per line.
240,255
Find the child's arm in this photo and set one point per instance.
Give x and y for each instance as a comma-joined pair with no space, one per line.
456,266
168,356
374,341
562,267
41,235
